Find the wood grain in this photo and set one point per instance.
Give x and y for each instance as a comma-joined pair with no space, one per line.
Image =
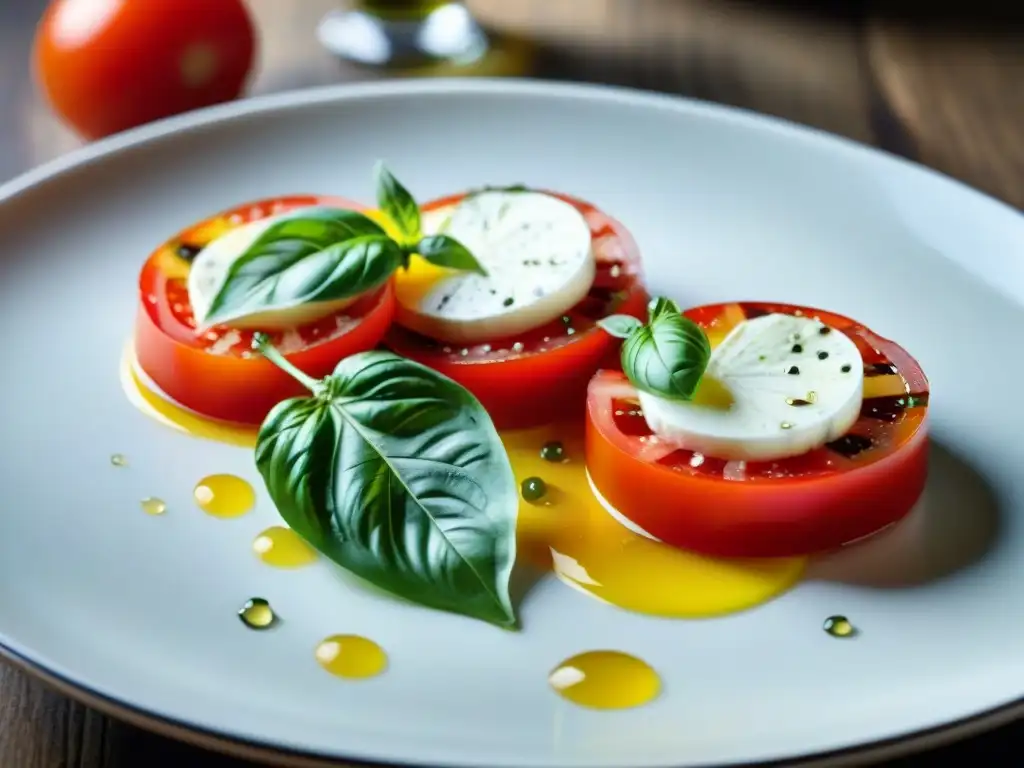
959,94
809,70
948,95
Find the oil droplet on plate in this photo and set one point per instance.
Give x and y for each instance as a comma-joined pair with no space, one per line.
351,656
257,614
839,626
224,495
118,460
553,451
153,506
605,680
283,548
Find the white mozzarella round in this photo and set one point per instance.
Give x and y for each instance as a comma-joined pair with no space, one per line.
536,250
210,269
790,385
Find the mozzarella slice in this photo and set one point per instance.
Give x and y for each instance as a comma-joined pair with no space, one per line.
777,386
210,268
536,250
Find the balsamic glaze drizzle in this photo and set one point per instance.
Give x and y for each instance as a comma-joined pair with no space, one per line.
879,369
849,445
187,251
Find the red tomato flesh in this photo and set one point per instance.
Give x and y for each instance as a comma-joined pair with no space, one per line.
850,488
541,376
216,373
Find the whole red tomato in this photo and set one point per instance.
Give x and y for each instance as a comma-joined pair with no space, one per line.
108,65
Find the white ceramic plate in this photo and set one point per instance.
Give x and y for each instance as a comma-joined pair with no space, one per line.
137,613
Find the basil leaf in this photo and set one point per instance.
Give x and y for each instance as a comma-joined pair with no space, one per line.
397,474
668,356
321,255
661,306
619,326
396,202
446,251
510,188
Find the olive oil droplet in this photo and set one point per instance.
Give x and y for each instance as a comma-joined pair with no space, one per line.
839,626
351,656
257,614
283,548
533,488
553,451
605,680
224,495
118,460
153,506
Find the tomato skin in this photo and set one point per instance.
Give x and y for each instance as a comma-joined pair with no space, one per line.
547,381
762,515
108,66
236,386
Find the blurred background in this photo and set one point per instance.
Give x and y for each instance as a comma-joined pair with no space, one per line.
937,83
940,84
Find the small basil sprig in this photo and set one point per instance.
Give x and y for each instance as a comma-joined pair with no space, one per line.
667,356
324,254
397,474
400,207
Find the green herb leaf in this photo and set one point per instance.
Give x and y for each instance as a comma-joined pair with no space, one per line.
446,251
619,326
320,254
510,188
399,206
668,356
660,306
397,474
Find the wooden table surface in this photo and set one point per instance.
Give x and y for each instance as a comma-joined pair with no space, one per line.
946,92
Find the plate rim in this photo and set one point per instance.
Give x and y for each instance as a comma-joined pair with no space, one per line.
556,89
225,742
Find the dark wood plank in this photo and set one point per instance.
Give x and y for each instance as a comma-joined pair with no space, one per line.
956,91
804,68
940,98
38,727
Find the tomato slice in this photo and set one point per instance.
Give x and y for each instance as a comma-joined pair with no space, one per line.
541,376
852,487
216,374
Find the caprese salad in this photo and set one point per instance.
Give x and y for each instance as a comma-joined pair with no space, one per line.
756,429
381,349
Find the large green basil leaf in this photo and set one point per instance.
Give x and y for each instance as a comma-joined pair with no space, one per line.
319,254
398,204
397,474
668,356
